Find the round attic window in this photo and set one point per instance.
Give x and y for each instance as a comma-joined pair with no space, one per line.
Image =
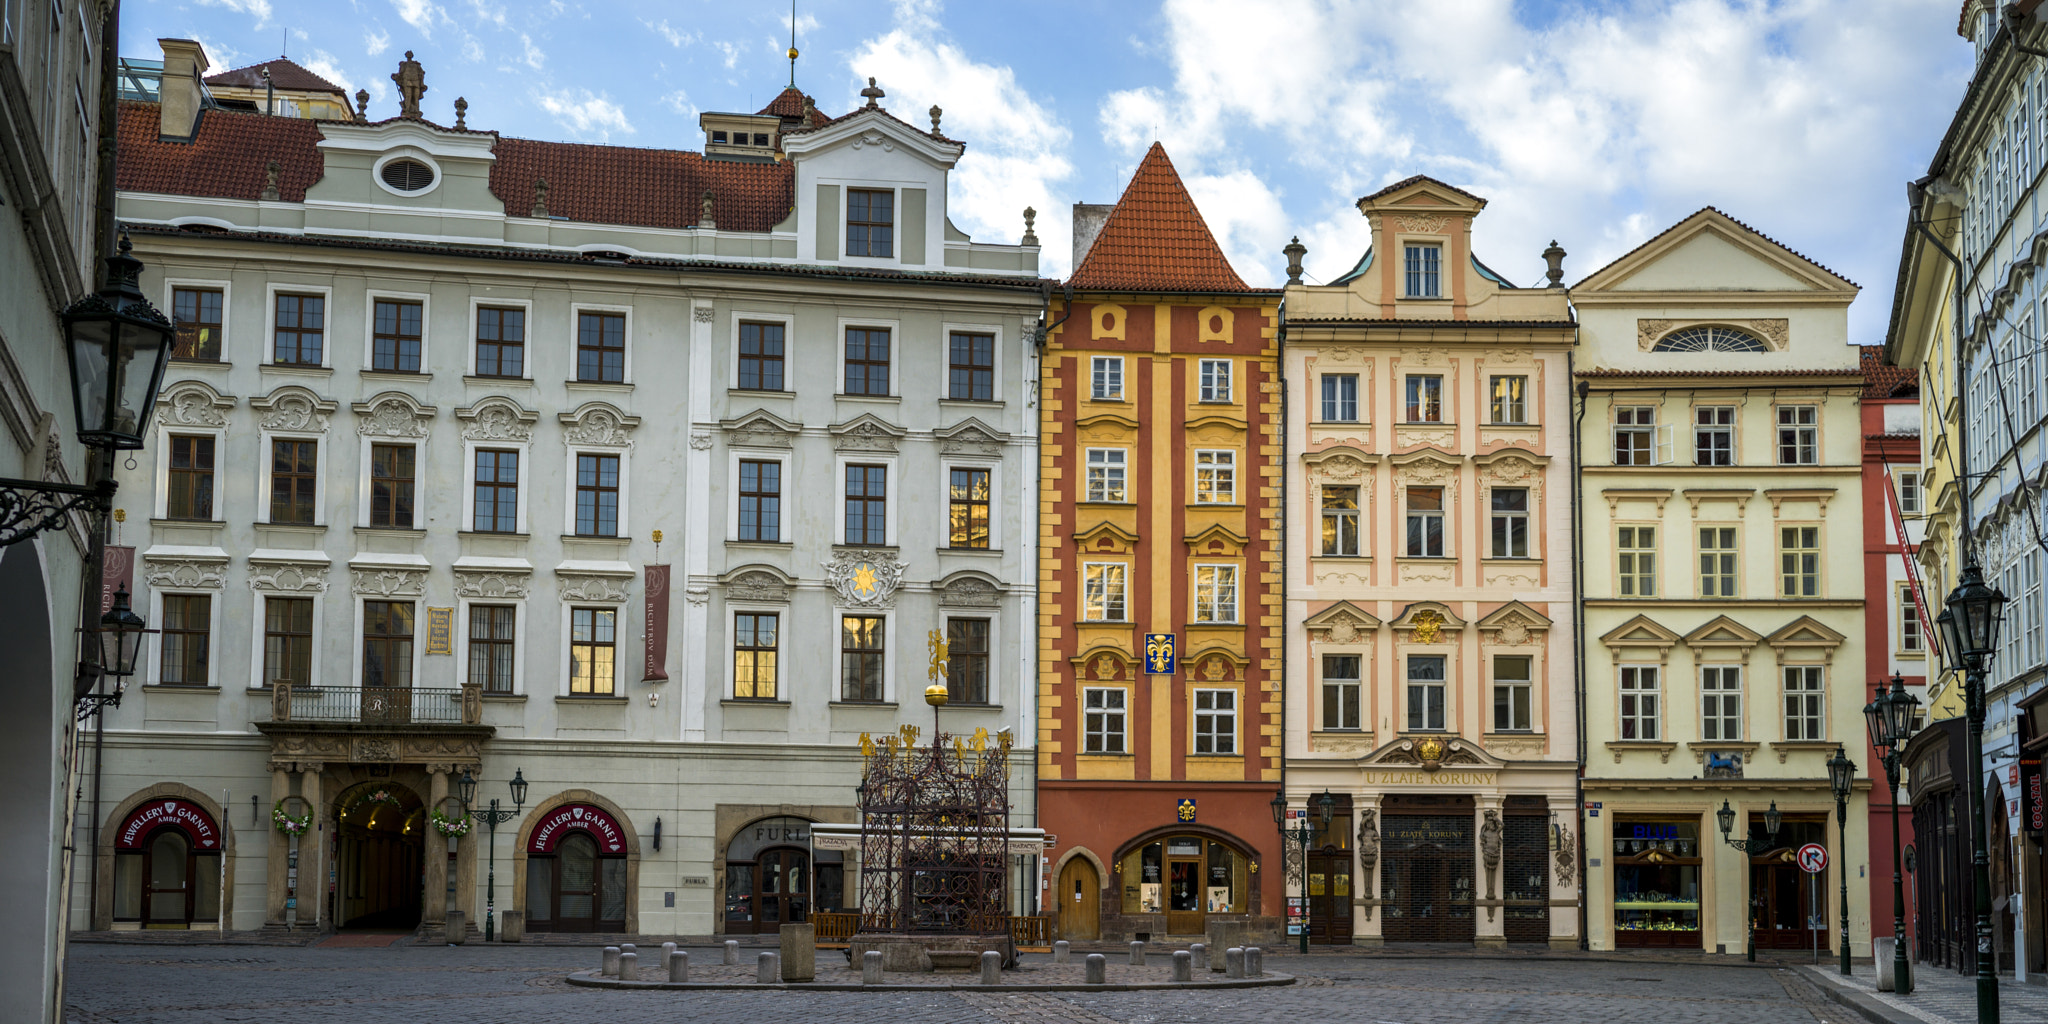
407,175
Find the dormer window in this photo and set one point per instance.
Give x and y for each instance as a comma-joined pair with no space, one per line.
760,138
718,138
870,222
1422,270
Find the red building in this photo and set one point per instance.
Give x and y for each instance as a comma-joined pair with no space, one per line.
1896,641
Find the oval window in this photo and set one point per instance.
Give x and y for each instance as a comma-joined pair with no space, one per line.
1109,321
407,175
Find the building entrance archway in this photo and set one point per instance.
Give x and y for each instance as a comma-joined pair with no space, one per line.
769,879
1080,900
379,842
167,866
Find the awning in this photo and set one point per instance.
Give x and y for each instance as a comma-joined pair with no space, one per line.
1026,841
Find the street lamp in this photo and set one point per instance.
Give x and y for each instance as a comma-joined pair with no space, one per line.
1749,847
1303,834
492,817
1969,626
1890,718
1842,779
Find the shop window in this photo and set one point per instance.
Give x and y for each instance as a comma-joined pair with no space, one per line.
1185,875
1656,883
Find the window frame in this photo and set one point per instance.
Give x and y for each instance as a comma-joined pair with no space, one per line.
1427,272
1703,433
325,293
892,502
1526,684
1917,506
210,635
366,481
734,456
1211,717
1814,714
1517,404
1497,517
1119,601
1728,557
1326,402
1221,465
886,687
761,498
1326,516
570,645
990,696
1412,517
1414,687
258,664
1631,547
266,480
1649,432
174,285
894,329
470,452
990,507
1207,380
949,332
426,304
1099,369
361,637
1354,683
847,224
216,513
1906,620
735,648
1423,399
465,611
739,318
576,313
1719,693
1096,740
621,493
1226,584
1814,582
1810,446
477,305
1122,468
869,512
762,362
1626,720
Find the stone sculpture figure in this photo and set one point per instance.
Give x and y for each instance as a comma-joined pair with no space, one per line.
412,84
1489,850
1368,855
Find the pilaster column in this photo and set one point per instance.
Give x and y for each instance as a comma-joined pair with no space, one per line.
435,908
314,846
273,901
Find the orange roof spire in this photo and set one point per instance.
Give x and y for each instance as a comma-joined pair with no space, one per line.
1156,240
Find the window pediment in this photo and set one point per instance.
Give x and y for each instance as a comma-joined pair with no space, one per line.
1805,632
191,403
598,424
761,429
1216,540
1726,633
1105,538
393,414
497,419
866,433
295,409
1341,623
1639,633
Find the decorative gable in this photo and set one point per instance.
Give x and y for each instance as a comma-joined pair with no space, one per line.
1725,634
1513,624
1805,634
1341,623
866,433
1216,540
1105,538
761,429
1637,635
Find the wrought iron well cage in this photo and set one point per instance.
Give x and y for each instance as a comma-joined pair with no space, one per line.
934,834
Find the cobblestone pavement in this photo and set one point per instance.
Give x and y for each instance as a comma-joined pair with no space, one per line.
1941,996
138,984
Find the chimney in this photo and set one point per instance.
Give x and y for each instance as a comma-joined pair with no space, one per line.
1088,221
183,92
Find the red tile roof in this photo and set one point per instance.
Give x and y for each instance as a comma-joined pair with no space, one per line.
283,74
1156,240
658,188
1413,178
225,160
1881,381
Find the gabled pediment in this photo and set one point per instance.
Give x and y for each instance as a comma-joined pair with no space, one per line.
1805,631
1341,623
1104,538
1512,617
1216,540
971,437
866,432
1417,750
1641,631
1723,631
1425,622
761,429
872,128
1713,252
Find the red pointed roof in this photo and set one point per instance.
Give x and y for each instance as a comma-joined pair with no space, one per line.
1156,240
284,74
787,103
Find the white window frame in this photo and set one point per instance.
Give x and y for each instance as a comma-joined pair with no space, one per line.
576,311
995,625
892,508
1443,534
1658,431
1103,370
1496,405
419,638
946,331
1432,278
896,346
1721,693
738,317
1327,682
782,457
1912,499
622,645
1122,467
625,455
477,302
781,612
996,506
1213,611
1409,685
836,684
525,450
1819,562
265,484
1123,590
1633,581
419,462
370,299
1809,445
1701,431
1325,514
1210,717
1121,714
1912,641
520,626
227,298
1324,402
1809,722
273,289
895,258
1526,515
256,680
1733,580
1214,382
1526,683
1649,727
1215,464
164,432
155,652
1442,397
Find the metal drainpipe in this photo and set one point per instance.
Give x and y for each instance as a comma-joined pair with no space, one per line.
1280,373
1579,648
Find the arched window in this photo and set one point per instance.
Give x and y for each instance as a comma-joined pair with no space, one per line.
1708,338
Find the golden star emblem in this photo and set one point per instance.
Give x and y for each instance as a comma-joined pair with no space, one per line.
864,582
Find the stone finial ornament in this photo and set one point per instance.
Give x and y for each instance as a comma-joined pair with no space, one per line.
362,105
1294,251
706,220
270,173
412,84
1030,215
461,112
935,112
540,198
873,93
1555,257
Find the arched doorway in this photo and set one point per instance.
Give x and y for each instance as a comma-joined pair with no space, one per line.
379,840
167,867
769,876
576,877
1182,878
1080,900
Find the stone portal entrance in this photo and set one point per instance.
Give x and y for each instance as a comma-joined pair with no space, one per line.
379,834
1426,876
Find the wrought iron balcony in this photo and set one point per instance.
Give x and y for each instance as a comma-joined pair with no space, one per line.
377,705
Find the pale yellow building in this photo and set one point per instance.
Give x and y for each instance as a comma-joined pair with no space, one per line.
1720,505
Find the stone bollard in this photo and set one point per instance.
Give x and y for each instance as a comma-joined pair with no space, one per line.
1061,951
457,928
871,967
611,962
1254,962
1183,965
666,949
1137,954
679,966
627,947
629,967
732,952
1200,953
769,970
799,952
1233,962
1097,971
991,967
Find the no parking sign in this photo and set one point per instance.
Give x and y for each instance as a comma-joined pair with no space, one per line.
1813,858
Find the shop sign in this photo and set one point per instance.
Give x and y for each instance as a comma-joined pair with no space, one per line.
440,630
578,817
1159,654
1184,811
655,629
1654,832
117,570
1437,779
184,814
2033,816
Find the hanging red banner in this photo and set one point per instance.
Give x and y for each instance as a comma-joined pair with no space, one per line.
117,569
656,626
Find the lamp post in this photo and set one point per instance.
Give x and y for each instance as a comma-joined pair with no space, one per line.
1842,779
1890,718
1969,629
492,817
1748,847
1303,834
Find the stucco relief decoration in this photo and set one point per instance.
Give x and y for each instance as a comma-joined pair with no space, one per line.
375,748
598,589
1648,331
871,137
186,573
391,418
295,412
1422,356
388,582
1427,627
1511,471
865,579
1777,331
1342,469
600,428
700,442
1105,667
758,586
972,441
500,421
1425,223
493,585
1567,857
759,434
703,314
970,592
1513,632
1514,746
1212,668
864,437
287,578
193,406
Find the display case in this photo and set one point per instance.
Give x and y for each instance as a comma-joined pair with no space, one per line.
1656,884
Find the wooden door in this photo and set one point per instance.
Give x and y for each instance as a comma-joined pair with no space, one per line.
167,881
1329,896
1080,900
784,877
576,884
1784,899
1184,896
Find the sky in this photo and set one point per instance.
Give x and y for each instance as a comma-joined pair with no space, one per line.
1598,123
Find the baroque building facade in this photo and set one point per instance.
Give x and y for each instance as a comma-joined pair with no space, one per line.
1429,594
456,417
1721,453
1160,632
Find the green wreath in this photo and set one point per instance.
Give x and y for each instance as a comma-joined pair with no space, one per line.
288,824
453,828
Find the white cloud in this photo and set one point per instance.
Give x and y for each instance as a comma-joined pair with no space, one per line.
420,14
472,49
732,53
533,56
585,113
258,9
675,38
324,64
219,54
1016,148
375,43
486,12
1245,215
679,101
